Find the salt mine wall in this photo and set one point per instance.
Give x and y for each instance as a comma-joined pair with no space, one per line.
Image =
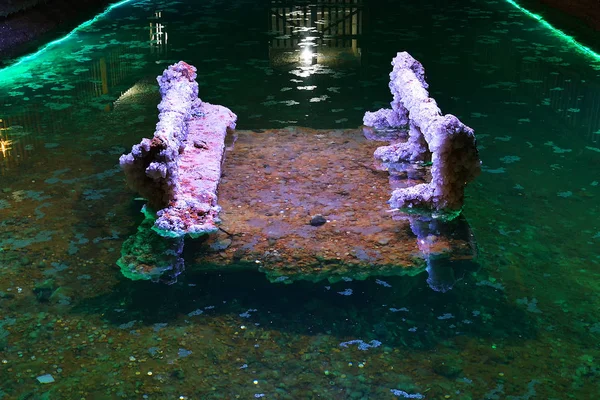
586,10
27,24
14,6
10,7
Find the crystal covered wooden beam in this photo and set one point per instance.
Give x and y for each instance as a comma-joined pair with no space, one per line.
179,169
444,139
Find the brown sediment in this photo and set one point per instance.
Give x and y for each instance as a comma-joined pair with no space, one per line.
275,182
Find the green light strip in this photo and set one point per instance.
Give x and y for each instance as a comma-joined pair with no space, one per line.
570,40
67,36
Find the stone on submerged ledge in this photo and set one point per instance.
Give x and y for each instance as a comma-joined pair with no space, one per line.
179,169
445,140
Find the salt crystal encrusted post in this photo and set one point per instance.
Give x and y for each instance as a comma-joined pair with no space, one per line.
179,169
450,144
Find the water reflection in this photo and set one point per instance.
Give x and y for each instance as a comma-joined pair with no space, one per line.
5,146
326,33
448,247
547,76
54,95
30,124
159,37
146,255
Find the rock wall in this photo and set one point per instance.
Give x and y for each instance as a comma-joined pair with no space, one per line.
586,10
26,24
8,7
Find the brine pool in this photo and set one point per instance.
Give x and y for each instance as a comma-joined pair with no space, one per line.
524,325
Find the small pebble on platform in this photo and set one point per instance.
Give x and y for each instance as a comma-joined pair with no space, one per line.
318,220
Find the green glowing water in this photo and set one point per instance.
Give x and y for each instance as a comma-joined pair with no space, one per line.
586,51
11,70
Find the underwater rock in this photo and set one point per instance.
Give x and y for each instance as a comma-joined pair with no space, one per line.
220,245
178,374
179,169
62,296
43,291
447,368
268,216
449,143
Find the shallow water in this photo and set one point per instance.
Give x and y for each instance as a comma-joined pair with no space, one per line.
524,324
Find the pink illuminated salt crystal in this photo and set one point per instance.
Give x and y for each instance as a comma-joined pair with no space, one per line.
450,144
179,169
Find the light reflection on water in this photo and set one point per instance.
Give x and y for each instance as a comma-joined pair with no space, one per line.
525,322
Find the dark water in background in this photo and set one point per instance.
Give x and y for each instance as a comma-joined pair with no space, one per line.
526,325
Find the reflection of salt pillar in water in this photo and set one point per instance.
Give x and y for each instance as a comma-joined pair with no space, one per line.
148,256
435,239
439,279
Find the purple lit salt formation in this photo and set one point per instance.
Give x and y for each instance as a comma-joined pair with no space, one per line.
179,169
450,144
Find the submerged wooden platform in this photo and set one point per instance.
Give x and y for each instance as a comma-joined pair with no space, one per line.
275,182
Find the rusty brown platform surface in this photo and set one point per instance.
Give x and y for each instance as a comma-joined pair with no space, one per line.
275,181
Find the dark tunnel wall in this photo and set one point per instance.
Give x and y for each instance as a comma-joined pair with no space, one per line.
577,18
559,11
8,7
27,24
586,10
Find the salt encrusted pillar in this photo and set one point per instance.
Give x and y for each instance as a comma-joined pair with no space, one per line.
450,144
179,169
